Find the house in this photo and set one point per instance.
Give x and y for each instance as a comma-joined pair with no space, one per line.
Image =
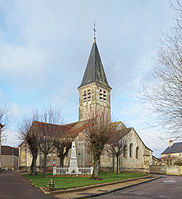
156,161
172,154
9,158
95,96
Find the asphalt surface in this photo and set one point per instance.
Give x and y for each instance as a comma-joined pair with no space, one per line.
167,187
15,186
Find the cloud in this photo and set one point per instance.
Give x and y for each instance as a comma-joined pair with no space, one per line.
11,138
44,47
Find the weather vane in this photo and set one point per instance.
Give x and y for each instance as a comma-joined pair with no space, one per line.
94,29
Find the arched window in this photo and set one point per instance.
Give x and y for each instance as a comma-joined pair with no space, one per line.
124,152
131,150
137,152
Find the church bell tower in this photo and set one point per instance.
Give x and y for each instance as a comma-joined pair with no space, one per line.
94,91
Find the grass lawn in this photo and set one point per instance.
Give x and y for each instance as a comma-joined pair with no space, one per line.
71,182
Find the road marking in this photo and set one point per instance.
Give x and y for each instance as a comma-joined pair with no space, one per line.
169,181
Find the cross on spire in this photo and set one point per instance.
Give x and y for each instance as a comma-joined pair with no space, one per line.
94,29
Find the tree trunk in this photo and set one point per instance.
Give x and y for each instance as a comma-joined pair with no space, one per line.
31,167
113,164
34,166
61,162
117,166
95,174
44,166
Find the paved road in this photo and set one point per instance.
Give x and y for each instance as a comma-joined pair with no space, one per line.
167,187
14,186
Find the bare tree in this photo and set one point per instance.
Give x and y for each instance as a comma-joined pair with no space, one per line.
166,95
3,120
117,146
62,146
48,131
97,136
28,134
3,123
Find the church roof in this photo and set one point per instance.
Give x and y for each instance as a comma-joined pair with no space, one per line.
94,71
120,133
8,150
70,130
175,148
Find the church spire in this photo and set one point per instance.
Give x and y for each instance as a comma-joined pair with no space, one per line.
94,29
94,71
94,91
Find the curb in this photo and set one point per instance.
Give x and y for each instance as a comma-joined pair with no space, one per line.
91,186
118,189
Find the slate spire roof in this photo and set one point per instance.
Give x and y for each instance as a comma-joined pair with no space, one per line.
94,71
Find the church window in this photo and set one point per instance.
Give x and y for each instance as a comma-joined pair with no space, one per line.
124,152
137,152
87,96
102,95
131,150
84,96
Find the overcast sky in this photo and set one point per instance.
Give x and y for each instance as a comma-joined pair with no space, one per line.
44,48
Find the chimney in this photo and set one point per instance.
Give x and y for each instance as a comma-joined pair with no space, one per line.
170,143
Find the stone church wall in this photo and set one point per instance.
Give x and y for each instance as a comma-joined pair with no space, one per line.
128,162
131,159
89,106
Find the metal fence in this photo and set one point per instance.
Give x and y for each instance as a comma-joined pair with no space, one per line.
66,171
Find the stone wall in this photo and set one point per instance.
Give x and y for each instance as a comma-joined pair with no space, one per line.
168,170
127,163
144,158
9,162
90,104
26,158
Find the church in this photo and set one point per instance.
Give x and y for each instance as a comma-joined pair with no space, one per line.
95,94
